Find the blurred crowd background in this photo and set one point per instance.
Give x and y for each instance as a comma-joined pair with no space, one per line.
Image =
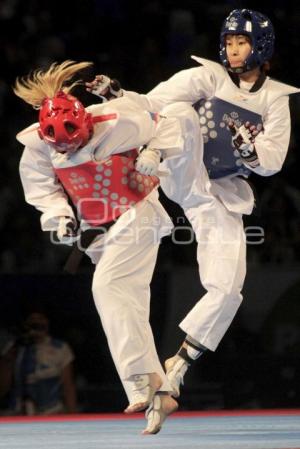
141,44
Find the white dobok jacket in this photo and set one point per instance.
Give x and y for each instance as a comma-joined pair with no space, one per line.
128,127
217,99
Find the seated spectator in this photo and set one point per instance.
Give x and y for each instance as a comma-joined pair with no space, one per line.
36,371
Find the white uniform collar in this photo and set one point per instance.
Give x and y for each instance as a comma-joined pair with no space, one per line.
285,89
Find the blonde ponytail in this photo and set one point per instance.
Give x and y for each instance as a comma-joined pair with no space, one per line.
45,84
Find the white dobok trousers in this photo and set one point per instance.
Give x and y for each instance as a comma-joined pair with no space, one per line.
214,209
121,290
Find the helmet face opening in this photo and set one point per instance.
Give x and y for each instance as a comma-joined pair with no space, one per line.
70,127
258,28
64,123
50,132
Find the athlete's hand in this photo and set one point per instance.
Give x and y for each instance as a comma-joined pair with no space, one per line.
105,88
245,134
67,230
243,139
148,161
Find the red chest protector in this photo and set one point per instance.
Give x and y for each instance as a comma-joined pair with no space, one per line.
102,191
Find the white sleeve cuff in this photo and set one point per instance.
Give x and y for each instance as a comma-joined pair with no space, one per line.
49,220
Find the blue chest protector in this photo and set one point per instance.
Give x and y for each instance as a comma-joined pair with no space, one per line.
220,157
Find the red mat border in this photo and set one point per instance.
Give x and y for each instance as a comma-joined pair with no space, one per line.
122,416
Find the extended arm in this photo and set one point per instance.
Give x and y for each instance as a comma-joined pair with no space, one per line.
187,85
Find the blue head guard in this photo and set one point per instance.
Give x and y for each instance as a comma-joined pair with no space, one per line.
260,31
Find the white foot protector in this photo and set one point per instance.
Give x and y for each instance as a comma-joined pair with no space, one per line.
176,367
160,408
144,388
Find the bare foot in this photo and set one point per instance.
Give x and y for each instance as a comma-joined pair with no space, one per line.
145,387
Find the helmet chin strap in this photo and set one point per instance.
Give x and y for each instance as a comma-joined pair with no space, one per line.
240,70
237,70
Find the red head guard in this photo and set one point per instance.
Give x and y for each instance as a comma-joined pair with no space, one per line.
64,123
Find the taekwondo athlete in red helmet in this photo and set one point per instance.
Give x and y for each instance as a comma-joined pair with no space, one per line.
64,123
88,155
244,119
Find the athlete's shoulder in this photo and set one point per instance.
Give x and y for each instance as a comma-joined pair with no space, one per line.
103,112
214,67
104,117
111,110
281,88
30,137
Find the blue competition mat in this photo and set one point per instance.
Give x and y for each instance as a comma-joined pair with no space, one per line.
277,430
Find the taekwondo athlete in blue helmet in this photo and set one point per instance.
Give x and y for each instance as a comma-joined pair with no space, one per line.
244,127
